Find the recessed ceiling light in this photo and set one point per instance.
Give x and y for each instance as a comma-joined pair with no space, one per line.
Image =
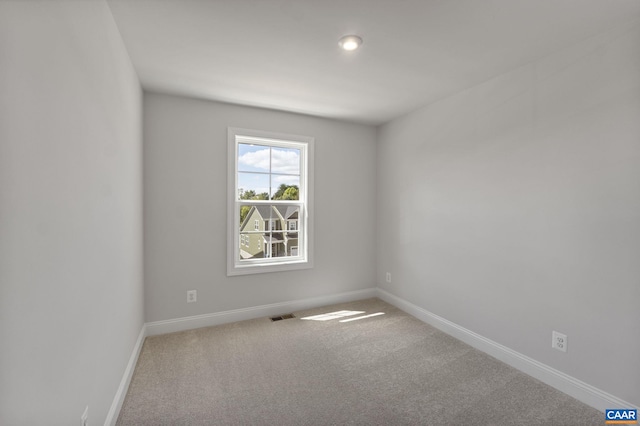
350,42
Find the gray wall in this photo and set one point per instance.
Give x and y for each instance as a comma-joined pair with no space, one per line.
70,212
185,184
513,209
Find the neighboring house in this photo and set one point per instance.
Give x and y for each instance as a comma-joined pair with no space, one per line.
269,231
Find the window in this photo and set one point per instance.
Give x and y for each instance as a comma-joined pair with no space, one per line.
270,183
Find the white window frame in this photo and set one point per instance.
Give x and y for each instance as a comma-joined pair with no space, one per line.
304,260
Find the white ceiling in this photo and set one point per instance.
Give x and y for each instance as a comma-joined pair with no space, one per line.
284,54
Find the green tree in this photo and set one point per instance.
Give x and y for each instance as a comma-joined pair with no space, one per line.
247,195
287,192
278,194
244,211
291,193
251,195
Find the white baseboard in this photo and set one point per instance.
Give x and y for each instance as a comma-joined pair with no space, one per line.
590,395
116,405
217,318
573,387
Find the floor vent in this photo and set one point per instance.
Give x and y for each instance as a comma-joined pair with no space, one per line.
282,317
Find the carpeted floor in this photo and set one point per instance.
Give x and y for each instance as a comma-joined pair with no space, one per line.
389,369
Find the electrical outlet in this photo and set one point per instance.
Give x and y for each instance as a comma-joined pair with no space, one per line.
85,416
388,277
559,341
192,296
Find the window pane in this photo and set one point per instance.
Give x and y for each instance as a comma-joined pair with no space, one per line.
268,231
253,158
285,160
288,230
253,186
253,217
285,187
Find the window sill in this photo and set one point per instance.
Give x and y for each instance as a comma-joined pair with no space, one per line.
256,268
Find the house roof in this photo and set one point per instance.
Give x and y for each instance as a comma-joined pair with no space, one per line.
265,211
282,212
288,212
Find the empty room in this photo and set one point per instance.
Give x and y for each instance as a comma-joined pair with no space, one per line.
278,212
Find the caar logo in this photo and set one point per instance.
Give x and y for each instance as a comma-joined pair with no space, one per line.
621,417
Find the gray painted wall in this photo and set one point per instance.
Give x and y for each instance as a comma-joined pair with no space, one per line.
513,209
185,184
70,212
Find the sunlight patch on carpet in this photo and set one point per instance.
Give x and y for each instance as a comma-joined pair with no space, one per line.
362,317
332,315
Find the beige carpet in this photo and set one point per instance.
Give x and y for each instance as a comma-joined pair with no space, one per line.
389,369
